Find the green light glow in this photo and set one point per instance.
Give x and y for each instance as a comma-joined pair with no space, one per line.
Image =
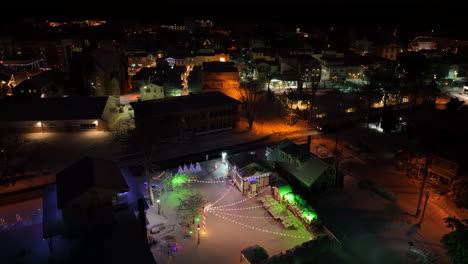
179,179
197,219
290,197
285,189
309,215
190,232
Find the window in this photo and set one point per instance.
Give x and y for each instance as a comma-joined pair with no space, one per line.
87,126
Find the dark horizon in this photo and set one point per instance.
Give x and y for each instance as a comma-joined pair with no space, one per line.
334,12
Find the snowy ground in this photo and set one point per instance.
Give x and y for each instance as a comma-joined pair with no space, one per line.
229,232
371,219
54,152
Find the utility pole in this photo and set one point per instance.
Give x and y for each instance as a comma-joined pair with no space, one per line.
422,188
420,195
337,161
424,209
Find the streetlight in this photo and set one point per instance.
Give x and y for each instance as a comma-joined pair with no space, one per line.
198,228
159,206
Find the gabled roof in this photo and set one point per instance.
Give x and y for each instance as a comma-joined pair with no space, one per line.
249,164
217,66
85,174
311,167
184,103
60,108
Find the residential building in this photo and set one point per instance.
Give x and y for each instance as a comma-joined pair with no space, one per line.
302,168
220,76
362,46
442,171
197,24
184,116
422,43
45,85
341,67
264,69
136,61
151,91
296,71
390,51
61,114
205,55
249,173
264,54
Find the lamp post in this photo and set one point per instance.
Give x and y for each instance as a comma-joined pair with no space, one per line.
424,209
198,228
159,206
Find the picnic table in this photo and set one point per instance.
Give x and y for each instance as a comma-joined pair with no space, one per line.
272,206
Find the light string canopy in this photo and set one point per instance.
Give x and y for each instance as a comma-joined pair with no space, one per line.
261,229
235,209
252,217
241,201
220,198
198,181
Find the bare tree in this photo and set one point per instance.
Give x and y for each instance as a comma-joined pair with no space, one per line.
191,205
123,133
248,94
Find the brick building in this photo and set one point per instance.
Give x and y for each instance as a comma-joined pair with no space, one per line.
187,115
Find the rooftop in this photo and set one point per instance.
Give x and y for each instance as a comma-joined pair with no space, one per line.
183,103
60,108
217,66
85,174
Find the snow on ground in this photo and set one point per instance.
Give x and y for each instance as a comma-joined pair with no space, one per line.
27,210
57,151
224,239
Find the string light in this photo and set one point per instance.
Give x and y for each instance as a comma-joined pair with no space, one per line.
235,209
261,229
197,181
241,201
253,217
220,198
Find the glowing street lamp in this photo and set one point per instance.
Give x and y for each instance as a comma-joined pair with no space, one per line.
223,155
159,206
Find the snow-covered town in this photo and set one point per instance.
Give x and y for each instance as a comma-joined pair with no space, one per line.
158,133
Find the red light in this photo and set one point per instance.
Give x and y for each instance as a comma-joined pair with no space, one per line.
183,228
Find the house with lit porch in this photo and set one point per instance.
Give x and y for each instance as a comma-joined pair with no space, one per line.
249,173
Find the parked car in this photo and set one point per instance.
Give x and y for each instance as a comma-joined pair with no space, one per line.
155,229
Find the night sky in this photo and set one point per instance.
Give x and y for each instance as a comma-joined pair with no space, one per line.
431,13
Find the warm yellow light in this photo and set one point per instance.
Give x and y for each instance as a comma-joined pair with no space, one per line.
39,123
222,59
